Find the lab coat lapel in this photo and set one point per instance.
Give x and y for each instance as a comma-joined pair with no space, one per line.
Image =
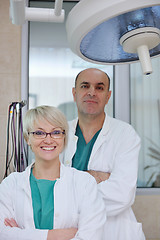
63,199
100,140
24,202
26,183
72,144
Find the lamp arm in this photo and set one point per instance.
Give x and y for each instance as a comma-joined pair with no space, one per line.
19,12
58,7
43,15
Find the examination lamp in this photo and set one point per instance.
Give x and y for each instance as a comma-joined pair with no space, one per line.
19,12
115,32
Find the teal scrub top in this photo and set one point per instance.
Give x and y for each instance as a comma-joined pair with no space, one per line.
83,152
42,192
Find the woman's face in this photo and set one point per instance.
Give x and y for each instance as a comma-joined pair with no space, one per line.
45,147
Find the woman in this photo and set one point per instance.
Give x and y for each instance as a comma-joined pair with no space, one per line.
49,201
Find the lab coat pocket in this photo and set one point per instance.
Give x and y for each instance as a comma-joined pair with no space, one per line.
122,229
132,230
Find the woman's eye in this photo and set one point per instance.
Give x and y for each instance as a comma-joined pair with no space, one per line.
39,133
56,132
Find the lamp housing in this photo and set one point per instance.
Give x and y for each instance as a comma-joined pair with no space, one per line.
95,37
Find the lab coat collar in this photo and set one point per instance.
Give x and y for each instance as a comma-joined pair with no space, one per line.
74,125
25,183
105,126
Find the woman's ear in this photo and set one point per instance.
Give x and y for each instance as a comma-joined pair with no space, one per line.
63,147
28,142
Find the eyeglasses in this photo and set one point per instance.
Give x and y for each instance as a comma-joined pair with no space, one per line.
41,135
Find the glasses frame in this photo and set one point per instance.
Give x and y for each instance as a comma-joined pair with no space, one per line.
47,133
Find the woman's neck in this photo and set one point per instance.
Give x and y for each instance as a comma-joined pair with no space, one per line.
47,170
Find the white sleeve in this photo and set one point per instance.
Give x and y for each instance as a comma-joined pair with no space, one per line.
7,195
8,233
92,214
119,190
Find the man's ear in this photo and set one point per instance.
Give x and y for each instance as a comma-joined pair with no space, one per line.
74,93
108,96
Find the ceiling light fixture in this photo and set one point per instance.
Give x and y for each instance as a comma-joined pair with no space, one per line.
115,32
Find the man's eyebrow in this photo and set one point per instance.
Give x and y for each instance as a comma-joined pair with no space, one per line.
101,83
84,83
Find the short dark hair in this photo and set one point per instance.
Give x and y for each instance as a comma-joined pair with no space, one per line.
109,80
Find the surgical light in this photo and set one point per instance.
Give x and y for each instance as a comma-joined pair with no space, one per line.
115,32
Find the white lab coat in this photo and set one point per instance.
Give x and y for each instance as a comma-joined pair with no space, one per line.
76,204
115,151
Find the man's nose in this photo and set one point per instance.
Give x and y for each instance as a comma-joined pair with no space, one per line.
91,91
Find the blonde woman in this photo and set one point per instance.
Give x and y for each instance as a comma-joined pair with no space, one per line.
49,201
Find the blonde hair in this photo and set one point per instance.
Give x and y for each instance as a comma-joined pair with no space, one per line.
52,114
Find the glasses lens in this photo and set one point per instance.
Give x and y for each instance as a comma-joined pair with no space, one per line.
39,134
57,134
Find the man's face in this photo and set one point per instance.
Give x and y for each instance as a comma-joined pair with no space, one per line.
91,93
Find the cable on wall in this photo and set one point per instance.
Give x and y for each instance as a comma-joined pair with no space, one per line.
16,149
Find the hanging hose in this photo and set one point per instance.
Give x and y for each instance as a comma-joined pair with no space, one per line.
16,150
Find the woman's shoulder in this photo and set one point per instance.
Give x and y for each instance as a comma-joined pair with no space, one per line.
15,177
10,181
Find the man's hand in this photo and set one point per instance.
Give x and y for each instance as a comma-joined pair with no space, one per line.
62,234
10,222
99,176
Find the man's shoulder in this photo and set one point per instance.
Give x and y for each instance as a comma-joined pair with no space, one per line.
118,123
122,130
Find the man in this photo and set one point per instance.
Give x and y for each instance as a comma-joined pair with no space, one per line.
108,149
